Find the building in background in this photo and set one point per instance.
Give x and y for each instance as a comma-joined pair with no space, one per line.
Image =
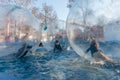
111,31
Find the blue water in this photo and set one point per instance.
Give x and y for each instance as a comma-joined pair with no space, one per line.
66,65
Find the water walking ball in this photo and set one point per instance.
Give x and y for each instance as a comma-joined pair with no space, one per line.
98,20
16,26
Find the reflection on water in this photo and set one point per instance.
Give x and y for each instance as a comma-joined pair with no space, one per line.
57,66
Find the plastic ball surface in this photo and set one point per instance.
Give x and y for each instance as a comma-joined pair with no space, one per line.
98,20
17,25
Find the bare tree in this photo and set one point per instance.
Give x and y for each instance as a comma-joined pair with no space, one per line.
47,17
50,19
85,12
23,3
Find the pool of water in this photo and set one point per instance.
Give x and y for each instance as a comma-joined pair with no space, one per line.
57,66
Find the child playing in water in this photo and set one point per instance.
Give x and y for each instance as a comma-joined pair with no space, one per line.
57,46
97,53
41,44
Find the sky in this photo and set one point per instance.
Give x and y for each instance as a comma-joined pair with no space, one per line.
60,6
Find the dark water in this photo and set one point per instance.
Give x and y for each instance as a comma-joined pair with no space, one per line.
57,66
